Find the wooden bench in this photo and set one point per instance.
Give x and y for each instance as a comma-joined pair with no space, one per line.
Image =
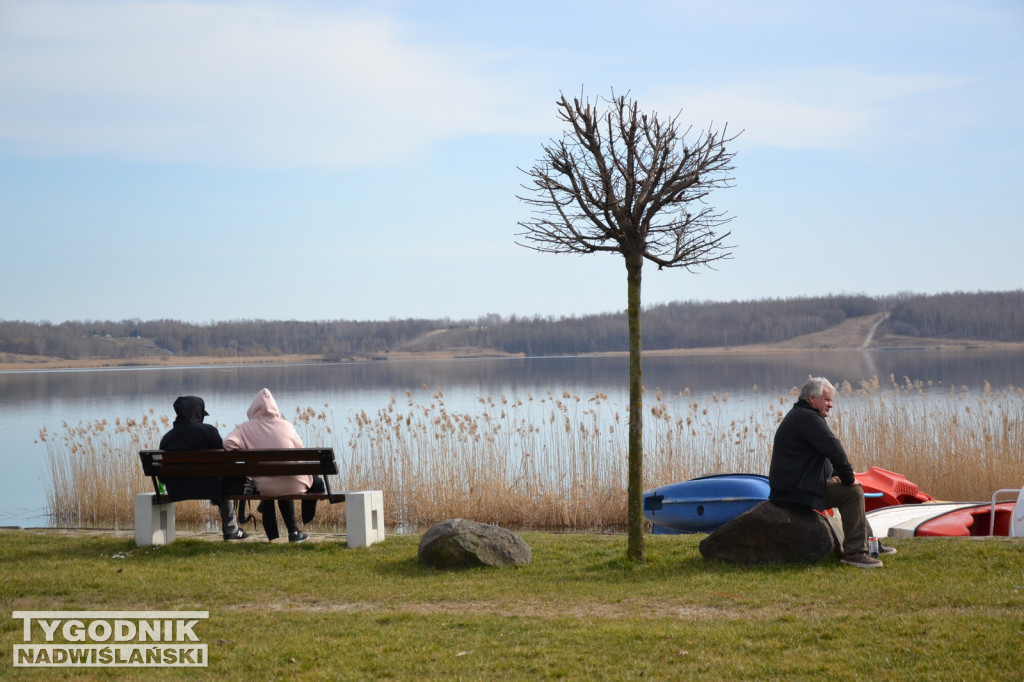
154,512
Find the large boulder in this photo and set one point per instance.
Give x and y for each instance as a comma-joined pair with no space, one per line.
772,533
458,543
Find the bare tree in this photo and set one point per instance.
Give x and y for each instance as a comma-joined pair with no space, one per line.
626,182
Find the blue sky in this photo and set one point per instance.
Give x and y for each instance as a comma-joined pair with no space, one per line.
309,160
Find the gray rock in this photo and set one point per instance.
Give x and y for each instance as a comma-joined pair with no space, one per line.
772,533
458,543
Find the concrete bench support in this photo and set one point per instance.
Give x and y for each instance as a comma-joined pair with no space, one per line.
364,517
154,523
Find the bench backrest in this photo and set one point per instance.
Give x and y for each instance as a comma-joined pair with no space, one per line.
237,464
202,463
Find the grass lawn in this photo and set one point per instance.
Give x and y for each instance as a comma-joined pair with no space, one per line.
940,609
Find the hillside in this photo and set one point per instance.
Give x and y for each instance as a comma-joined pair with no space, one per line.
831,322
848,335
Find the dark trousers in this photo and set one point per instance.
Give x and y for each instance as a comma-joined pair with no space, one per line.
287,508
849,500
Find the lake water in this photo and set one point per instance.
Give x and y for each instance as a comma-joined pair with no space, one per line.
31,400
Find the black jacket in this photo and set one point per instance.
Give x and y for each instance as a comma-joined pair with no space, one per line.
804,455
190,433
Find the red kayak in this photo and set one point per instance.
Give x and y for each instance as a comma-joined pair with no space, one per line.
948,520
895,489
971,521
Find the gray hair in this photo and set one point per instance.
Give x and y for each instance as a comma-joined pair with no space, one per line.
814,387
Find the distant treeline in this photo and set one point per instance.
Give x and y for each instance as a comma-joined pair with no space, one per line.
985,316
135,338
997,316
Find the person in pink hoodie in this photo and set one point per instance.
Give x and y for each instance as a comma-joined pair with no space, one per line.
266,428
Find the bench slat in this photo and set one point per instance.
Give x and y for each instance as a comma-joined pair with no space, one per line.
242,469
333,498
222,456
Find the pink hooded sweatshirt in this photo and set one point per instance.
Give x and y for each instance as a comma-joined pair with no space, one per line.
266,428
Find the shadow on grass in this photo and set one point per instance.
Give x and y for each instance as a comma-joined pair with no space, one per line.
191,549
660,564
407,567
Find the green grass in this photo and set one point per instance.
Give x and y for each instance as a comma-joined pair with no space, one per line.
940,609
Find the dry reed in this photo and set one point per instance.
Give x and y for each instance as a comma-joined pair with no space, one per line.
960,445
95,473
558,462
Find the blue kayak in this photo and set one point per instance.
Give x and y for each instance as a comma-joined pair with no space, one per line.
701,505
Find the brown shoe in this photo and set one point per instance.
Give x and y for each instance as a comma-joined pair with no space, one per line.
860,560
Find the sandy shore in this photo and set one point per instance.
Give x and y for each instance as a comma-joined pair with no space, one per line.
10,362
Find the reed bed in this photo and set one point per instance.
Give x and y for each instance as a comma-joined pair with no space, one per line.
558,461
95,473
959,445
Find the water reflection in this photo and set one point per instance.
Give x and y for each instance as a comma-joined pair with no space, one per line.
703,373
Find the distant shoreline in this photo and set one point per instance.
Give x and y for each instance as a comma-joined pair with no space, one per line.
855,333
803,345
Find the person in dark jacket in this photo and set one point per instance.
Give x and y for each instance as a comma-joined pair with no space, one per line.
809,468
190,433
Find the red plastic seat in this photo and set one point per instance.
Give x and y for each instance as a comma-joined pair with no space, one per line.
895,489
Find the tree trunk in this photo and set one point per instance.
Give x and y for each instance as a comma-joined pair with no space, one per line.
635,481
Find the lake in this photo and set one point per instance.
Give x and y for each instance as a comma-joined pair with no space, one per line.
31,400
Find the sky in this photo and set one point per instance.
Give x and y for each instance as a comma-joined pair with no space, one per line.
305,160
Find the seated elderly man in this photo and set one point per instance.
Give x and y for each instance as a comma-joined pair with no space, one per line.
810,468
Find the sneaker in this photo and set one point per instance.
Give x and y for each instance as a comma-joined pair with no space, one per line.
885,549
860,560
297,536
237,535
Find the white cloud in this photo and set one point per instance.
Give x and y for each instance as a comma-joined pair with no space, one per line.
241,84
815,109
298,84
